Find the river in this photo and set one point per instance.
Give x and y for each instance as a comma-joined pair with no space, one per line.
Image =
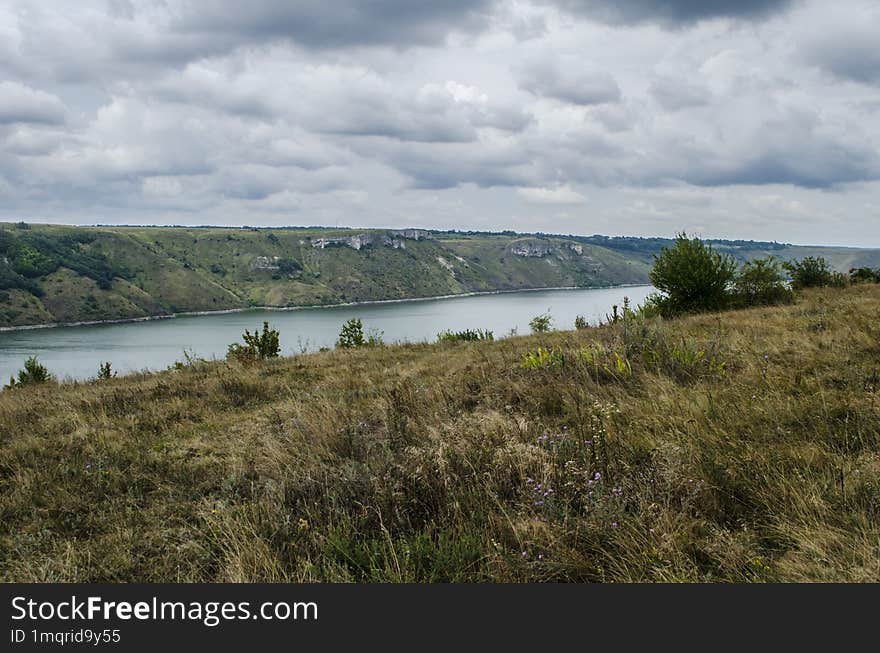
74,352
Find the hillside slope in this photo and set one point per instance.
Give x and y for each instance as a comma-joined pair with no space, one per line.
736,447
51,274
65,274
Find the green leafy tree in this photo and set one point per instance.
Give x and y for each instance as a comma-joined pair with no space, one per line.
541,323
33,373
809,272
692,276
352,334
258,346
761,282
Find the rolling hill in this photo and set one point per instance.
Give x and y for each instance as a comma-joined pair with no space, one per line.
60,274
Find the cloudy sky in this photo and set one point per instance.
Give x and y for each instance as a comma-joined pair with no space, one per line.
728,118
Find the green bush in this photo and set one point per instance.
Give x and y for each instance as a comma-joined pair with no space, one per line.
692,276
760,282
352,336
810,272
541,323
580,322
864,275
105,371
32,374
258,346
288,265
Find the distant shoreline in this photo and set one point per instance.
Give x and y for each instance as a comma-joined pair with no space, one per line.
169,316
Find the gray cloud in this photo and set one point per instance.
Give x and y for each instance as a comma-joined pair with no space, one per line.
569,80
343,23
22,104
674,94
850,53
671,12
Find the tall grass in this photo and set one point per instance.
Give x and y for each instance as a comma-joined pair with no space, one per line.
730,447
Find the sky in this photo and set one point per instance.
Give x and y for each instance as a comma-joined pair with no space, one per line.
756,119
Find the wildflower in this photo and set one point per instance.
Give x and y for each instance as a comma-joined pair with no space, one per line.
614,524
617,492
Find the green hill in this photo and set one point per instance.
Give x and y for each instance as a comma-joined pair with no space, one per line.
52,274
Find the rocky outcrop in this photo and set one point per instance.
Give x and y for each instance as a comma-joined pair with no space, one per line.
360,241
531,248
265,263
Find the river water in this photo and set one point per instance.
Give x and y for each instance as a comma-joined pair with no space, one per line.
76,351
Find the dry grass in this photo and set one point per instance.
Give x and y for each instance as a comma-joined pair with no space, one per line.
755,460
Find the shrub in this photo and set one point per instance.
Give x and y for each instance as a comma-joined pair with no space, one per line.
760,282
258,346
692,276
288,265
468,335
541,323
580,322
352,334
105,371
864,275
32,374
810,272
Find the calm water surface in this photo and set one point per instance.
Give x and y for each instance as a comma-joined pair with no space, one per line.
75,352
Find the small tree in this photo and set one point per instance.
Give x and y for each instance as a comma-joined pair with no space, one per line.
258,346
352,334
105,371
33,373
809,272
580,322
760,282
692,276
541,323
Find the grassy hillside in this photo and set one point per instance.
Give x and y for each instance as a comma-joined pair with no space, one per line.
65,274
53,273
734,447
